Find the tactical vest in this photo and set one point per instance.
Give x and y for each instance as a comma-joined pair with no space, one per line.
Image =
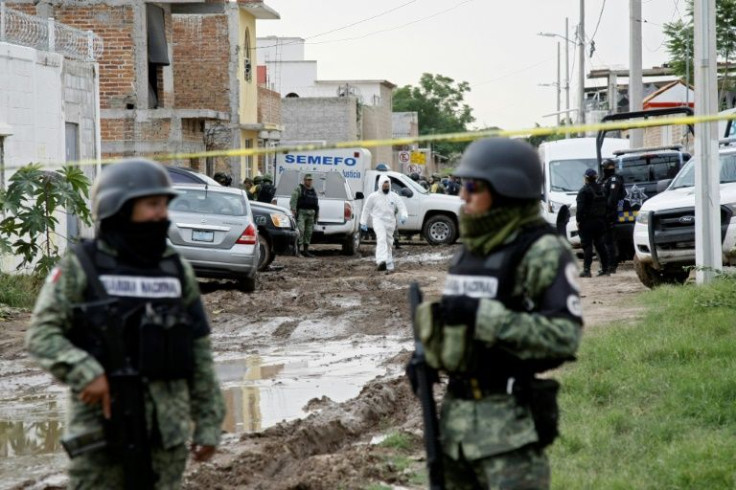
133,317
494,277
266,193
307,198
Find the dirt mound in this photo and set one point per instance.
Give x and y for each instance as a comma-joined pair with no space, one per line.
317,452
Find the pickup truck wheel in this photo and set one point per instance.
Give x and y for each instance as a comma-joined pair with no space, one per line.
351,244
440,230
247,284
651,278
266,255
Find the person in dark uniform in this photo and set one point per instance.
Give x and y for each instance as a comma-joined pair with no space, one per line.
591,221
615,192
510,309
223,179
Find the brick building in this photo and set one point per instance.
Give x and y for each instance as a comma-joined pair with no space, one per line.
175,77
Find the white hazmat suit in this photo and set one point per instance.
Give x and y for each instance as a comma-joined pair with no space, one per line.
383,209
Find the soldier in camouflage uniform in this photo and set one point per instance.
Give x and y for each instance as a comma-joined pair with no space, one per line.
510,309
130,259
304,205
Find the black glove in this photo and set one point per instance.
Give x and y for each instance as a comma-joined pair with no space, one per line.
459,310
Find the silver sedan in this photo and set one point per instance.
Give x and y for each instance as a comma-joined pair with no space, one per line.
213,228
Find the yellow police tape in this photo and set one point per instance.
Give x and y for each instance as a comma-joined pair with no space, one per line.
447,137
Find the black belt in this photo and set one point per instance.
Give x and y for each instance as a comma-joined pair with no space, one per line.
475,389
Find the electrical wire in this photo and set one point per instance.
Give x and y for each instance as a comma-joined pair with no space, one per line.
407,24
600,16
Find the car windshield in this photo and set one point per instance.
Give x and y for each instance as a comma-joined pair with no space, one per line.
686,177
207,201
638,169
417,187
567,175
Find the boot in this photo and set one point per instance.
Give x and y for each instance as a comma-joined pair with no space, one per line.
585,273
381,266
306,252
603,272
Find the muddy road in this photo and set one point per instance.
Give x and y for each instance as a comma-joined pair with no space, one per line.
311,367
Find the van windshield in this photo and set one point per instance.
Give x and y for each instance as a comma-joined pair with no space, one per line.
686,177
567,175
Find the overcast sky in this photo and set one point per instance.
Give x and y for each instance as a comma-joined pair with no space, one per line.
492,44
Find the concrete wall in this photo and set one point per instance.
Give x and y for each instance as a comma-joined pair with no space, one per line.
330,119
39,93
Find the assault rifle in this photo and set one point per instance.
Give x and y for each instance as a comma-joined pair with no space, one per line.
425,376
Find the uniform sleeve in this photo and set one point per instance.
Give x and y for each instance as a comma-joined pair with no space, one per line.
206,402
367,208
294,199
554,328
403,214
580,212
46,339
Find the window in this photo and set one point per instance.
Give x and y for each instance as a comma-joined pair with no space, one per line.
247,56
158,54
649,168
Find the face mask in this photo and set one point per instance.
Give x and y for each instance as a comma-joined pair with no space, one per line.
385,191
137,242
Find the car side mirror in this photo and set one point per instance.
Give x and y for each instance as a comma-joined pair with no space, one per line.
359,195
406,192
663,184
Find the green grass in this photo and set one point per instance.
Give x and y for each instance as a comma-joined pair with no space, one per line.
19,290
652,404
398,440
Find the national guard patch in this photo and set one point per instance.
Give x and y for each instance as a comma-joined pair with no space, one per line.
142,287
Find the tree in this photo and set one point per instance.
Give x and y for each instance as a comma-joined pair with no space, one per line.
29,203
440,103
680,41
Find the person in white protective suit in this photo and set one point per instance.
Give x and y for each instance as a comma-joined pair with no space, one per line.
383,206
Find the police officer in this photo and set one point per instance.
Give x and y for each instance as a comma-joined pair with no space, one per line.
267,190
304,205
223,179
120,319
591,221
615,192
510,309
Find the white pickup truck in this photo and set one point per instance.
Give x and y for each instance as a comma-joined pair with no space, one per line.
664,232
342,178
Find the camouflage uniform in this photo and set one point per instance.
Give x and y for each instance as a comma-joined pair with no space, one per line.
494,437
170,406
305,218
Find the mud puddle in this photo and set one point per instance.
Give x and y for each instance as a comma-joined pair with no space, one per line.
291,381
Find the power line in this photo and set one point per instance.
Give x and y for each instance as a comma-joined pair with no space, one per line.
407,24
600,16
363,20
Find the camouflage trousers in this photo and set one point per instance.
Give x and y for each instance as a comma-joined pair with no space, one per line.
525,468
305,221
96,470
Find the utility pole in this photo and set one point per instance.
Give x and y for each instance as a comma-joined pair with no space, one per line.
559,87
635,78
708,253
581,59
567,72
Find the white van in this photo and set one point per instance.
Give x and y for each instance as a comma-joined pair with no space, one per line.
563,163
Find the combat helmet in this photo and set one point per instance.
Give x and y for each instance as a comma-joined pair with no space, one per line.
129,179
512,167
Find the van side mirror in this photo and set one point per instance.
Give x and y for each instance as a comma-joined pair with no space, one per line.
359,195
406,192
663,184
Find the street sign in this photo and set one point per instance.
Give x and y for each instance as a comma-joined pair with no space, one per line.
404,157
418,157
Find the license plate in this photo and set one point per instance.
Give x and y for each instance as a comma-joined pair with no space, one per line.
203,236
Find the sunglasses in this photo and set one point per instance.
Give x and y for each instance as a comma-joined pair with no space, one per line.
472,186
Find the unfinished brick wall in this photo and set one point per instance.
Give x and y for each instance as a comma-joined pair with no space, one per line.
114,24
201,54
269,106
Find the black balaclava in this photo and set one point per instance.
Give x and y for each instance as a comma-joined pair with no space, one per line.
137,243
608,172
